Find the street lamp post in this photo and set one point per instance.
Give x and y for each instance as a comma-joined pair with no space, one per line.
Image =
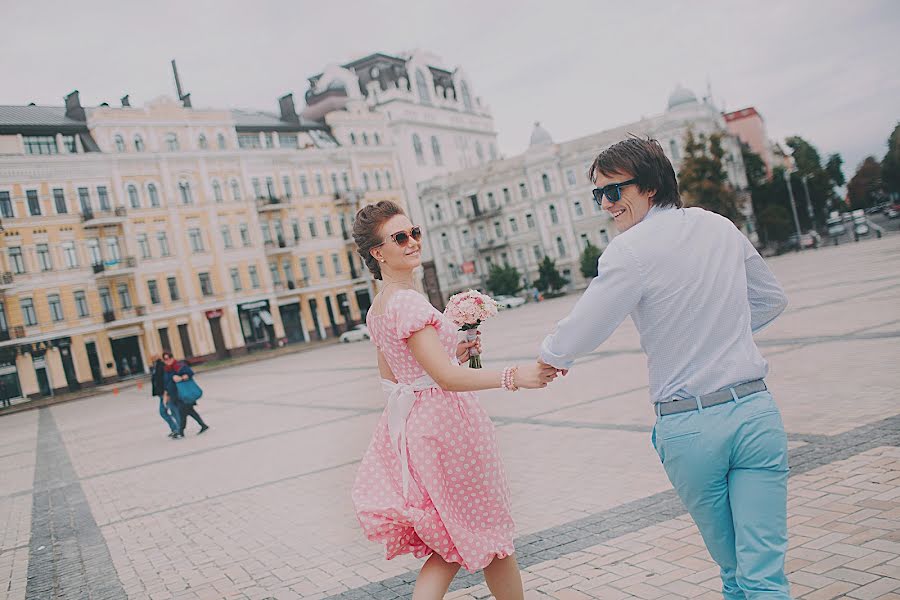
809,207
787,181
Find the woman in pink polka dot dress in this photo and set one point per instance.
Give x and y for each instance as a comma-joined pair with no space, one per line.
431,482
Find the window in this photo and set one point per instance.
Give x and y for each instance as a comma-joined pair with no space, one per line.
153,194
16,260
320,187
103,195
479,152
287,140
523,190
436,150
377,180
560,246
366,181
295,229
266,232
545,180
276,274
172,142
120,143
304,186
28,315
445,242
43,254
84,199
438,213
254,276
320,263
153,290
69,255
288,270
172,282
288,190
184,188
466,239
6,209
417,148
365,139
491,202
513,225
466,97
498,230
459,209
579,210
570,177
346,180
520,256
584,240
81,305
336,263
537,252
34,203
387,179
377,139
93,246
245,234
554,217
69,144
59,201
326,221
334,182
138,143
124,296
163,240
144,245
235,190
202,143
235,279
40,144
226,237
270,140
133,197
270,188
106,300
56,311
220,141
248,141
217,191
604,237
112,248
529,221
422,87
312,227
304,269
352,138
205,284
506,196
196,240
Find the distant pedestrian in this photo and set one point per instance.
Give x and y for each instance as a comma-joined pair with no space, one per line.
177,371
167,409
4,397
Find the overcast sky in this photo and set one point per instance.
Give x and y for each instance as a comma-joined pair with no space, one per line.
826,70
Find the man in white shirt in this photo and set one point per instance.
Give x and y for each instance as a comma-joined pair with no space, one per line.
697,290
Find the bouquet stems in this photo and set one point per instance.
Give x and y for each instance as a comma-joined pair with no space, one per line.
474,356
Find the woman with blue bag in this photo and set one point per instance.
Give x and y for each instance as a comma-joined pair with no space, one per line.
183,391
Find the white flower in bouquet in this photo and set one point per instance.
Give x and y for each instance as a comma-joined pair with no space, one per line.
468,310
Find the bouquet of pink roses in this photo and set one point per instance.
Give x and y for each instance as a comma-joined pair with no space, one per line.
467,310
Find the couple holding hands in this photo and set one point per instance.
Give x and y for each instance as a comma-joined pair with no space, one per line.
432,482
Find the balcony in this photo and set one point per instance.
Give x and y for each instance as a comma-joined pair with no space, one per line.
485,214
109,316
125,266
491,243
283,287
280,246
104,217
18,331
348,198
270,203
6,280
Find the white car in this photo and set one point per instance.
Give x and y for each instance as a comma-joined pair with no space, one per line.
357,334
508,301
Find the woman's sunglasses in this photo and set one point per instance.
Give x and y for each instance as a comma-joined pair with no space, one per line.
613,191
401,238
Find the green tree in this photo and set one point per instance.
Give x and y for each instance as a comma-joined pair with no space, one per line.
775,224
505,280
890,165
835,169
821,181
702,178
865,185
589,258
549,279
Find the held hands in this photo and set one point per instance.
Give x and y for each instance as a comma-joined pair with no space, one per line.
535,376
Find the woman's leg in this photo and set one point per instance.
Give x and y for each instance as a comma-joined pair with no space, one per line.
434,578
164,413
192,411
503,578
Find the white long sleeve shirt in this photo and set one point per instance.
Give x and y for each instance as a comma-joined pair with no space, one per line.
696,289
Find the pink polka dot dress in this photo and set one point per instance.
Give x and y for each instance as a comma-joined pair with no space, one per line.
457,502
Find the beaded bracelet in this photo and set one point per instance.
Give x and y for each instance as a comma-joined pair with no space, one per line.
508,379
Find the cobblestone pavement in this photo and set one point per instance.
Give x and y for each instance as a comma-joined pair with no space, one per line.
95,501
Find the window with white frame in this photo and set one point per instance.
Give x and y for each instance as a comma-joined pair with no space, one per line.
34,203
320,263
220,141
336,263
579,210
153,194
202,143
172,142
93,247
162,239
513,225
29,317
196,239
560,246
288,189
112,248
70,256
81,304
56,309
235,190
445,242
529,221
59,201
153,290
124,296
184,189
120,143
226,237
235,279
217,191
6,207
144,245
320,186
206,287
133,199
436,150
554,216
545,180
254,276
570,177
138,143
417,148
43,256
245,234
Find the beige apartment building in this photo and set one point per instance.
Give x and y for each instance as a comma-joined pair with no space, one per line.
211,233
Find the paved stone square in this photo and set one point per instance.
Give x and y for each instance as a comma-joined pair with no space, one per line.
96,502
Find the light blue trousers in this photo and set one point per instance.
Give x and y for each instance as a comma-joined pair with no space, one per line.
729,465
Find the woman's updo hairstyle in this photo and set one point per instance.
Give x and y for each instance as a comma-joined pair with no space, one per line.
366,231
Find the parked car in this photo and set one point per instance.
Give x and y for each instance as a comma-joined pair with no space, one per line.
893,211
810,239
508,301
357,334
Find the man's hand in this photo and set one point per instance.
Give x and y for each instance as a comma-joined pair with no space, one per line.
462,348
562,372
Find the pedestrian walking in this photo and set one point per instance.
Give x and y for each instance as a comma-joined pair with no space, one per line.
167,409
177,371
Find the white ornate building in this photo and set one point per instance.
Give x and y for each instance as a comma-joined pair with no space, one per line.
436,123
538,203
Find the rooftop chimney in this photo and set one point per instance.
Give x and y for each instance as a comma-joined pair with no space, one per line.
288,110
74,110
185,98
125,101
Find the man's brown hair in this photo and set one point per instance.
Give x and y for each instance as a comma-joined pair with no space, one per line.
646,162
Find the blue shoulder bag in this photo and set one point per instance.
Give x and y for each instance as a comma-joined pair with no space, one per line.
188,391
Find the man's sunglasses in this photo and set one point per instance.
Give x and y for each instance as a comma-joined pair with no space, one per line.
613,191
401,238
